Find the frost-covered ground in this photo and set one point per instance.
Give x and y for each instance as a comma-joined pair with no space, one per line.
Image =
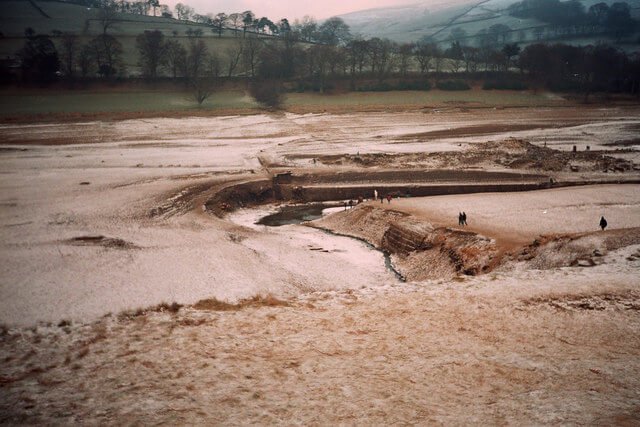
354,345
76,180
544,347
518,218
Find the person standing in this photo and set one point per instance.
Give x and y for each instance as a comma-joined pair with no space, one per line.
603,223
375,194
388,198
464,218
459,218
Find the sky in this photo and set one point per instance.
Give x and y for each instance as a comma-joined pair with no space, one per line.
290,9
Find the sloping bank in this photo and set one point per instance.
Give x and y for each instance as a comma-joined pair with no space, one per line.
418,250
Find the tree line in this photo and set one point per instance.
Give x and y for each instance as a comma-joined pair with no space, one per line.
335,56
571,17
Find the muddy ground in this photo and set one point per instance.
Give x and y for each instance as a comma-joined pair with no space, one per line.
102,219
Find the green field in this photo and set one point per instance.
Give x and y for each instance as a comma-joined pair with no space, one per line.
59,102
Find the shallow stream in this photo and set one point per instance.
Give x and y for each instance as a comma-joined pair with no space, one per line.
283,220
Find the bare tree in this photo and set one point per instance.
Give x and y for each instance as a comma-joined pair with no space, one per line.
151,49
86,62
424,55
203,89
107,53
233,54
268,93
251,48
68,52
196,58
405,53
235,19
308,28
214,66
108,19
471,58
218,23
176,57
184,12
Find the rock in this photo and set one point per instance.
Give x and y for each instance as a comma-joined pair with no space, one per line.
585,262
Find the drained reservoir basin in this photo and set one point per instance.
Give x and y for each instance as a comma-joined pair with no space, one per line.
284,220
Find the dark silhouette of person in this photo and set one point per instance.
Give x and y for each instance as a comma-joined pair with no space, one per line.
603,223
345,206
350,204
459,218
389,198
464,218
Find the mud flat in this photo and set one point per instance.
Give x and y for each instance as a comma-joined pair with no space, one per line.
101,222
529,348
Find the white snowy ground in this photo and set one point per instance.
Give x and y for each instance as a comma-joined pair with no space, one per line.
521,217
133,166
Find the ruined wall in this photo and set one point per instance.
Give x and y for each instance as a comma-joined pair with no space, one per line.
240,195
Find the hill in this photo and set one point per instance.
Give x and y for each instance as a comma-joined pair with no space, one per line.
46,17
437,20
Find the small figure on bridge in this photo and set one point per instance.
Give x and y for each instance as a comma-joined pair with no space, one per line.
459,218
603,223
464,218
350,203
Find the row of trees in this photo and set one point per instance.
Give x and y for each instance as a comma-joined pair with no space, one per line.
581,68
572,17
315,65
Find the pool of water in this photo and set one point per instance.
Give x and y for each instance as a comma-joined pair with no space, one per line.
271,218
295,214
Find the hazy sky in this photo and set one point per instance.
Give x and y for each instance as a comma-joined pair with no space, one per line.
290,9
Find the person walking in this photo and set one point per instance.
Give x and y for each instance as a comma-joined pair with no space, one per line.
603,223
464,218
388,198
350,203
459,218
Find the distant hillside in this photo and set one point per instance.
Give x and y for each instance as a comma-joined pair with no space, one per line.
45,17
426,19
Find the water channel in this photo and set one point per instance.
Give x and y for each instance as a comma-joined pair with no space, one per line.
280,219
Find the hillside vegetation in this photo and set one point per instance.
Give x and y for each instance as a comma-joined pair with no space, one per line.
50,17
460,21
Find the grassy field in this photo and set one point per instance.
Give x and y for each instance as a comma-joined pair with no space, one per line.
59,102
17,15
